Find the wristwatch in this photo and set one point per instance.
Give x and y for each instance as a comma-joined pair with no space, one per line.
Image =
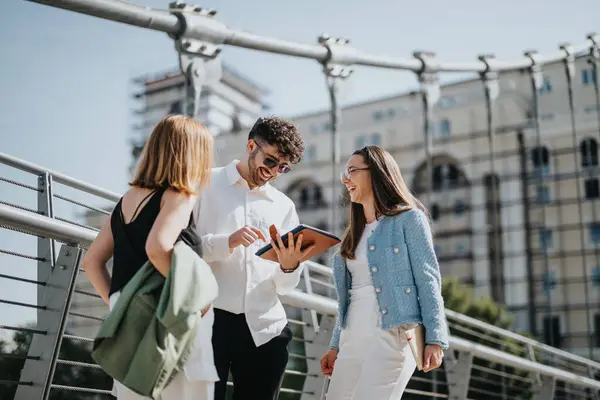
289,271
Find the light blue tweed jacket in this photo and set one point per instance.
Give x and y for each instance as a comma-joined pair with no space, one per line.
406,277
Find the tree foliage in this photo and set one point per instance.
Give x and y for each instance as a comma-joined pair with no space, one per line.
12,359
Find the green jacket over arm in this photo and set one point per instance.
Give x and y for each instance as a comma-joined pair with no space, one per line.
147,337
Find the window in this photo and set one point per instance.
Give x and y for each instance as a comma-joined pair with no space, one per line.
376,139
444,128
592,188
461,249
437,249
597,330
446,176
360,142
552,334
309,153
596,277
378,115
591,109
546,86
589,152
594,232
545,237
304,198
435,212
318,196
391,113
549,281
459,208
587,76
540,158
547,117
543,195
175,108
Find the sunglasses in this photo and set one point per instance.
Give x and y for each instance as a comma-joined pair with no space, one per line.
270,162
347,174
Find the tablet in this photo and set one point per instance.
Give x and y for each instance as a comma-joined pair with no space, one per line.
311,235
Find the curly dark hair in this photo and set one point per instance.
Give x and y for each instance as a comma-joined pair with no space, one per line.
280,133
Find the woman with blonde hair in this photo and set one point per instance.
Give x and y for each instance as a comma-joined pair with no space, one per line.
146,223
387,279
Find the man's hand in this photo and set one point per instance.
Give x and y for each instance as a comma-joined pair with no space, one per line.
433,356
291,256
245,236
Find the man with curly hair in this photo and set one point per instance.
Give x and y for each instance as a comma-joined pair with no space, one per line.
233,217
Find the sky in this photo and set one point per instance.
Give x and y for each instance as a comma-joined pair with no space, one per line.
66,91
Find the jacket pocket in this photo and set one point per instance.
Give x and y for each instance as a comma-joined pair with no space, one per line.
407,301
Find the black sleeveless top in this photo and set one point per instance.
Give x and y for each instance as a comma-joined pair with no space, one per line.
130,239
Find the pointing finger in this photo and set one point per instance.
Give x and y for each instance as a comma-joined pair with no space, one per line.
259,233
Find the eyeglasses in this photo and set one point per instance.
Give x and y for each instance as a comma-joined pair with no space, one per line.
347,174
270,162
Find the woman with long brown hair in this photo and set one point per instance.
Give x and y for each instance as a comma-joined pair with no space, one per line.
387,279
145,225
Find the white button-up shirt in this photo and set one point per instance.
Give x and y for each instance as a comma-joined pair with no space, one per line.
247,284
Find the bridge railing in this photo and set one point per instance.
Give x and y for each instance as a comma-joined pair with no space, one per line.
494,363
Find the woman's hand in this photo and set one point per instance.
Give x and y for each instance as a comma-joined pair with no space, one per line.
432,357
328,361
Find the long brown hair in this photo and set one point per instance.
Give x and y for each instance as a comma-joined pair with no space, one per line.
178,155
390,192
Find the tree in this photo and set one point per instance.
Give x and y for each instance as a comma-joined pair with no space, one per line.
11,364
460,298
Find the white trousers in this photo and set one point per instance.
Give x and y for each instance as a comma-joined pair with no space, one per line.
372,363
181,387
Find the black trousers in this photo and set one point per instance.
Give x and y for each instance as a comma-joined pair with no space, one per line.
257,372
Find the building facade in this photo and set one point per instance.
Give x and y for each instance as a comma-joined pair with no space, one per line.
524,232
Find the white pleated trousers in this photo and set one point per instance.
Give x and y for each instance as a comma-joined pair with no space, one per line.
372,364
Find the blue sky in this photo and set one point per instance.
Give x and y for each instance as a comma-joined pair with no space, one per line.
65,78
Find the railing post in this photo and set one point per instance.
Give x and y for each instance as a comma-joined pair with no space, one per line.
335,70
46,247
458,374
308,284
52,319
199,60
546,389
316,345
430,94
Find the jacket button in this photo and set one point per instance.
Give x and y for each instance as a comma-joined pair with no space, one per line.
372,247
378,289
373,269
396,250
407,290
384,311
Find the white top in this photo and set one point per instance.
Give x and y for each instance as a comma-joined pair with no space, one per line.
359,267
247,284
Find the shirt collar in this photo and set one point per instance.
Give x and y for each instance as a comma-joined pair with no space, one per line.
234,177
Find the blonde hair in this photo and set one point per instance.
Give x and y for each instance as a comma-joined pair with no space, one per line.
178,155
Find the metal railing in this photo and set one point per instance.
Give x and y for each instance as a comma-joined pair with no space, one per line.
472,368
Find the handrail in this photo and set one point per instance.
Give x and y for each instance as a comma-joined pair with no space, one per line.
57,177
164,21
42,225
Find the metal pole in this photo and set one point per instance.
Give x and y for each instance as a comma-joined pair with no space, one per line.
569,65
335,116
430,95
335,70
492,90
537,82
132,14
199,60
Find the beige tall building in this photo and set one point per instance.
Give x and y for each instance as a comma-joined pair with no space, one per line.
531,244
